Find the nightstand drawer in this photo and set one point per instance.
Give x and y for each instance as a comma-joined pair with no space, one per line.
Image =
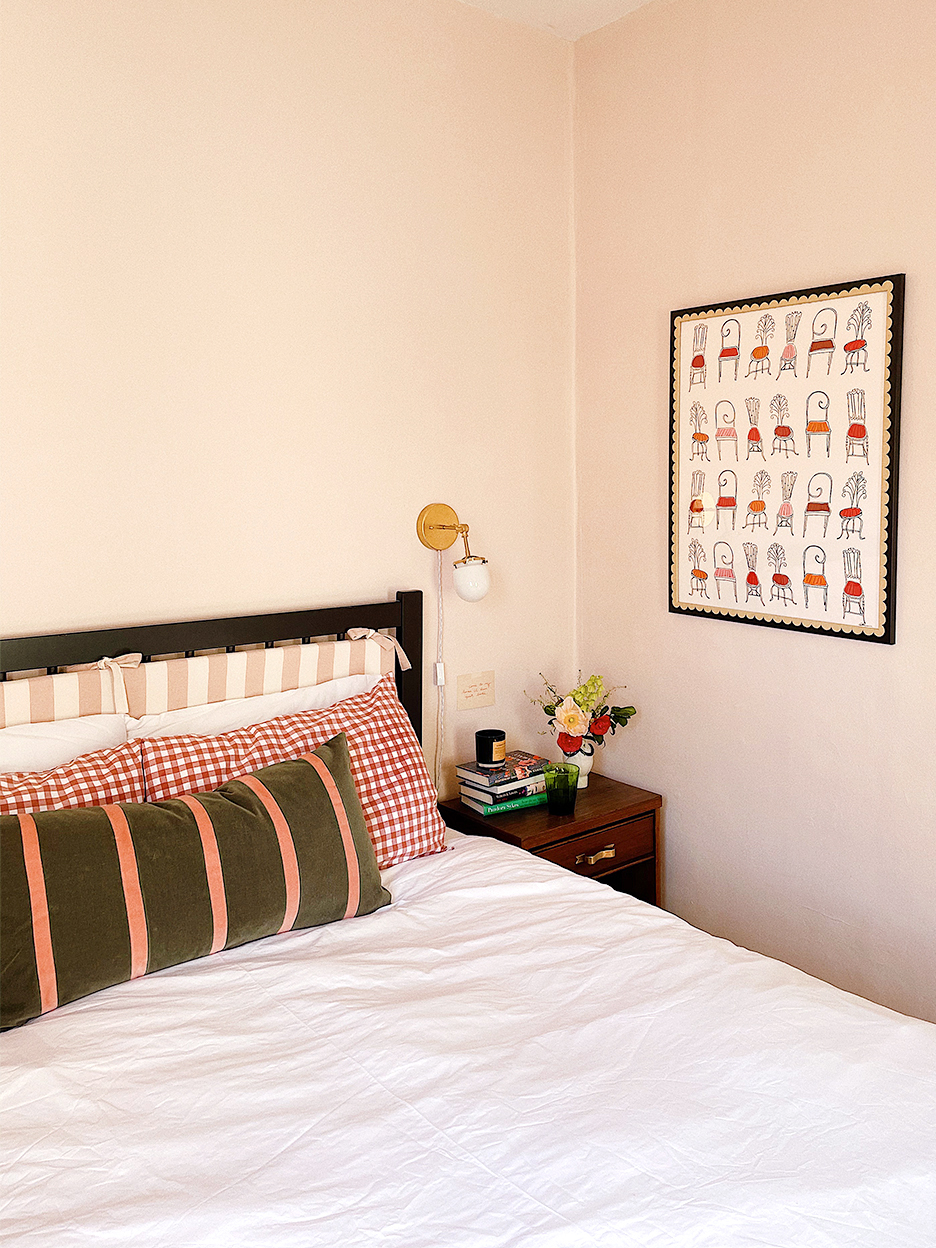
605,850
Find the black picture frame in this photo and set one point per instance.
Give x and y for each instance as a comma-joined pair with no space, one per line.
823,365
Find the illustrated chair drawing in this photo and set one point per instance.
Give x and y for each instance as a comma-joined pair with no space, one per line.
817,423
698,418
854,490
696,503
780,589
814,577
751,581
699,577
785,510
853,602
727,503
856,439
725,433
819,501
856,351
697,367
757,509
782,434
755,444
723,557
788,354
730,352
760,356
824,328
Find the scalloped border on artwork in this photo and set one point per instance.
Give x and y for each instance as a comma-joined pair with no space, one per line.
894,285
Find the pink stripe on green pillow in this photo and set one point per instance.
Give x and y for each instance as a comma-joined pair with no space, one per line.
93,897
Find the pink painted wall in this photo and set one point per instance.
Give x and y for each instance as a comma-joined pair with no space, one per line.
278,274
723,150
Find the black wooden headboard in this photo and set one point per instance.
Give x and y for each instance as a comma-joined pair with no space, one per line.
404,616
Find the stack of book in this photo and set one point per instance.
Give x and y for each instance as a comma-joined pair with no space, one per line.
515,784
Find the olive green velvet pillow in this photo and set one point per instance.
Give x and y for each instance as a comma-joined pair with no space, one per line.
100,895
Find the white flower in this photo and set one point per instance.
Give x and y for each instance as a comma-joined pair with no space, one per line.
571,718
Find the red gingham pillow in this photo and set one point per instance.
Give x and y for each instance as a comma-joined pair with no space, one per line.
98,779
389,771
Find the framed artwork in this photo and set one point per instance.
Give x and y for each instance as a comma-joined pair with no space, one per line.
784,434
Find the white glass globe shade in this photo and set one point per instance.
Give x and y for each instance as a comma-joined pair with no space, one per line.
472,579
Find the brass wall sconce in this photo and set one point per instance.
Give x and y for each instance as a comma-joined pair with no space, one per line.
438,527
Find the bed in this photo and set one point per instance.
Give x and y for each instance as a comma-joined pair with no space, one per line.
507,1054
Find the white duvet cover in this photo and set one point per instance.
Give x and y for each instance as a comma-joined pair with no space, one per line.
508,1056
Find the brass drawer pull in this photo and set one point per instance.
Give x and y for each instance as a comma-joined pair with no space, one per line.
591,859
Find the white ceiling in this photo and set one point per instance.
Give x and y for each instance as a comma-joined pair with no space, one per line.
566,18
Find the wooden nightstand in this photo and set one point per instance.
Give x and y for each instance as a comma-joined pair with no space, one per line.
611,837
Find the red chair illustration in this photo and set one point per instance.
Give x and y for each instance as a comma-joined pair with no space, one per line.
856,440
760,356
723,556
856,351
817,424
696,503
814,575
730,352
788,354
698,418
699,577
757,508
824,328
785,510
725,433
697,367
782,434
755,445
855,489
751,581
727,496
853,595
780,589
819,504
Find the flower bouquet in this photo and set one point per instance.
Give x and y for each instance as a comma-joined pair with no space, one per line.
582,719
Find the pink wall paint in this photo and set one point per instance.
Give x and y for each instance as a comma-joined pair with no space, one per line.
277,275
731,149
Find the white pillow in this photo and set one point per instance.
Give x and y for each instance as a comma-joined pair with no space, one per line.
217,717
38,747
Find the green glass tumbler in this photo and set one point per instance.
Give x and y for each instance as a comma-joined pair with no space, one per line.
561,787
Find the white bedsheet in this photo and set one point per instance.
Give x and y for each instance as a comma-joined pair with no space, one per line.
507,1056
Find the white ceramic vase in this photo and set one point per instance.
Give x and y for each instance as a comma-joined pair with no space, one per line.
583,760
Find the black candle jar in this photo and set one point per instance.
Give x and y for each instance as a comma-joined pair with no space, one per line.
490,747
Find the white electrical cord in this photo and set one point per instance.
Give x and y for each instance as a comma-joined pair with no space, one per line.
440,689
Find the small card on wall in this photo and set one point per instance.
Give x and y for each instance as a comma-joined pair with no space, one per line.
475,690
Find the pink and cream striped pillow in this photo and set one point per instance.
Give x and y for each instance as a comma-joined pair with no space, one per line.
389,771
97,779
126,686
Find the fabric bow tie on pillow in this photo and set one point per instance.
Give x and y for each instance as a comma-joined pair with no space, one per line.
115,667
386,643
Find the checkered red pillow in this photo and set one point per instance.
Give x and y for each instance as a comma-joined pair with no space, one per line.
389,771
98,779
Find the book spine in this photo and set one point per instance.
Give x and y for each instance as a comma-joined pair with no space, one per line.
497,778
518,803
512,791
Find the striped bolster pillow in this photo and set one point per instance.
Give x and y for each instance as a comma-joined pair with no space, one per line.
98,896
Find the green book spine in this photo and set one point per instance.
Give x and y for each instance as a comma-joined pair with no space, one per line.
518,803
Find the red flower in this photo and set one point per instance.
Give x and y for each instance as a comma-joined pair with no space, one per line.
601,725
568,745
